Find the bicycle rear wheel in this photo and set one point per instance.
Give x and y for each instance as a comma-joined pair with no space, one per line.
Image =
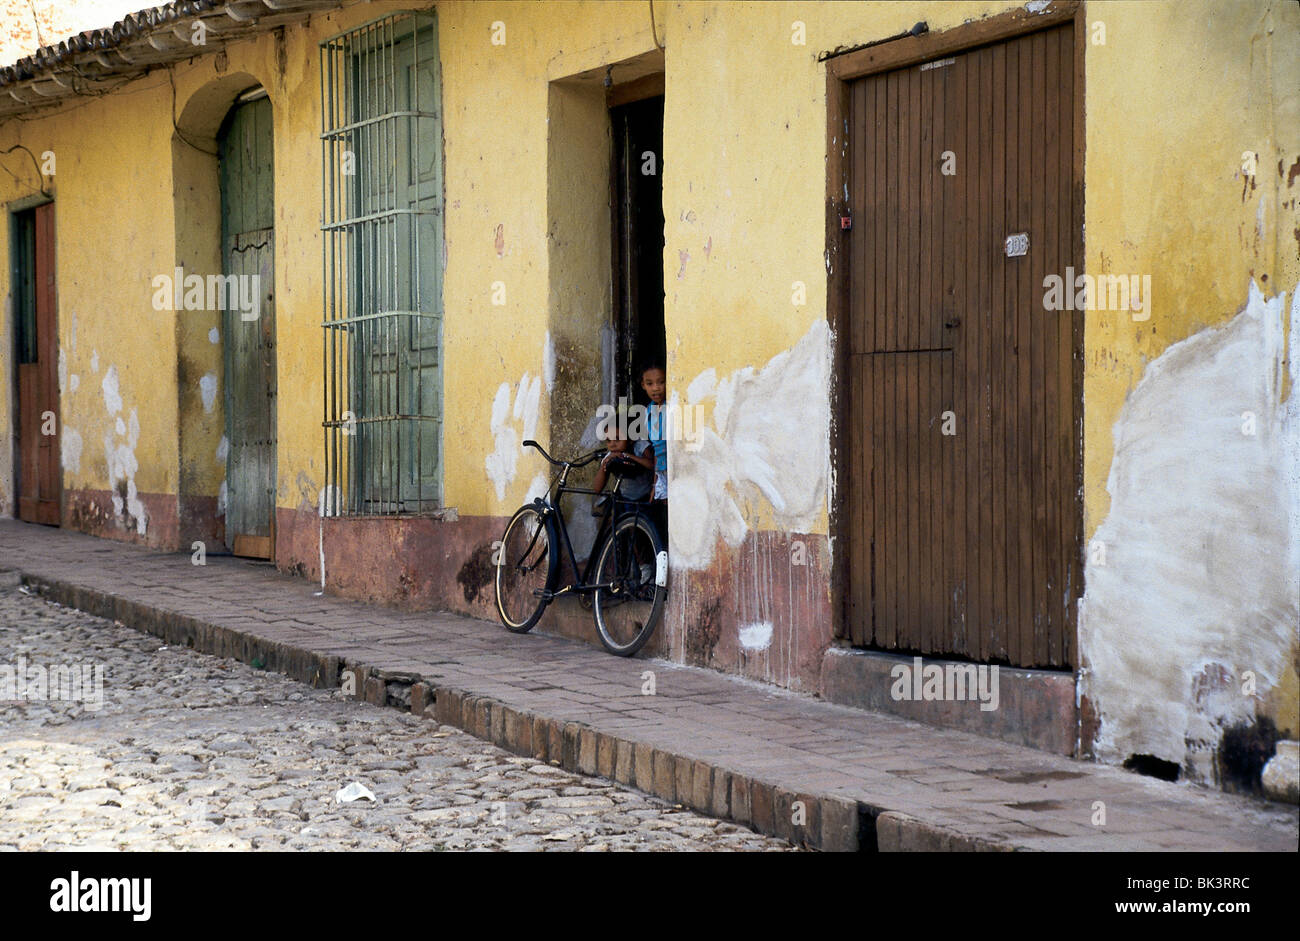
526,565
628,607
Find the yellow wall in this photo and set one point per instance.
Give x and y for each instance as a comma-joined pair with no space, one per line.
113,219
1175,97
1168,123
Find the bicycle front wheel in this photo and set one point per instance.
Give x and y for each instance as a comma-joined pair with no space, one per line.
630,601
526,565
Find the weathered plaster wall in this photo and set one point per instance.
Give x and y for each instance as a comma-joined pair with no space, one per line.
1191,503
1201,576
113,219
580,303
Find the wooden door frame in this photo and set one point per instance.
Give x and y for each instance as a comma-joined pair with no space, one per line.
14,208
885,56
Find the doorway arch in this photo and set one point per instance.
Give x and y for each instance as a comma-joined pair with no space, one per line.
203,331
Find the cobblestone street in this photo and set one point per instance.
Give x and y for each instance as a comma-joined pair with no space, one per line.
188,751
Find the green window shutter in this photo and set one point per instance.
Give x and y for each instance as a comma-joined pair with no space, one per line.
383,259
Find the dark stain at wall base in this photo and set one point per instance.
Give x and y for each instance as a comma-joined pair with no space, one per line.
477,574
199,522
1089,727
701,640
1244,751
1152,767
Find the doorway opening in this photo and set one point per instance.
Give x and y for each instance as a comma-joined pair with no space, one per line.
36,351
638,228
961,395
245,144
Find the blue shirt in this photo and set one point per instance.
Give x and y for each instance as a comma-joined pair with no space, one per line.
656,433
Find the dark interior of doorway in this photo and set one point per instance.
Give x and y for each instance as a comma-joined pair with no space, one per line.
638,129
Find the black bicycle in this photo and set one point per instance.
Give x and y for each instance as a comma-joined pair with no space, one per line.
626,574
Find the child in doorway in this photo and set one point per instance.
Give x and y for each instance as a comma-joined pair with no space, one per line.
654,384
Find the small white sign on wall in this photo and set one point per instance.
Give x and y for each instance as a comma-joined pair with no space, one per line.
1017,244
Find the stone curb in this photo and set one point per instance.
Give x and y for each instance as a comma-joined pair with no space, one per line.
822,822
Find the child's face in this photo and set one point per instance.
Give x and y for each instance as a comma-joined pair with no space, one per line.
617,445
652,381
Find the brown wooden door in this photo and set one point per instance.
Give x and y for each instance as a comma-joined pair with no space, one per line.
40,477
963,420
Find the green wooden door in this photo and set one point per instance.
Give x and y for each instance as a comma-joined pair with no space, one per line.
248,253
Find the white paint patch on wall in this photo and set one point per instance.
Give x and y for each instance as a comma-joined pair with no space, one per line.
503,458
702,386
208,390
769,439
214,335
223,450
70,449
548,362
503,461
112,394
119,451
1201,575
537,488
756,636
122,467
528,402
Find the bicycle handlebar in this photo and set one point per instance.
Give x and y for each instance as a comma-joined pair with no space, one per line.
581,462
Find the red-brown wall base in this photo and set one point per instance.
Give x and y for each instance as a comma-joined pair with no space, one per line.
199,522
92,511
762,610
410,562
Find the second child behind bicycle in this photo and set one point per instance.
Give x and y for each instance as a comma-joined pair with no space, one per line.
634,466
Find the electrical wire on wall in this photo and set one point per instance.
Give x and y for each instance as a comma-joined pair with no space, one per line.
653,31
36,163
176,127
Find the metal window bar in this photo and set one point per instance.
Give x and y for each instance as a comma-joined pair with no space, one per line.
381,166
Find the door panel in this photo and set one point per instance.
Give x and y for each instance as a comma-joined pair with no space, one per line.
963,391
40,471
248,249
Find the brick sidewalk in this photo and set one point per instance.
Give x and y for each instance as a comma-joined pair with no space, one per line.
725,746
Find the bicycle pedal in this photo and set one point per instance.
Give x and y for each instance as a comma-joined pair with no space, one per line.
544,594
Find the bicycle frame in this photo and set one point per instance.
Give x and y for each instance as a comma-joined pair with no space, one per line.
555,493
